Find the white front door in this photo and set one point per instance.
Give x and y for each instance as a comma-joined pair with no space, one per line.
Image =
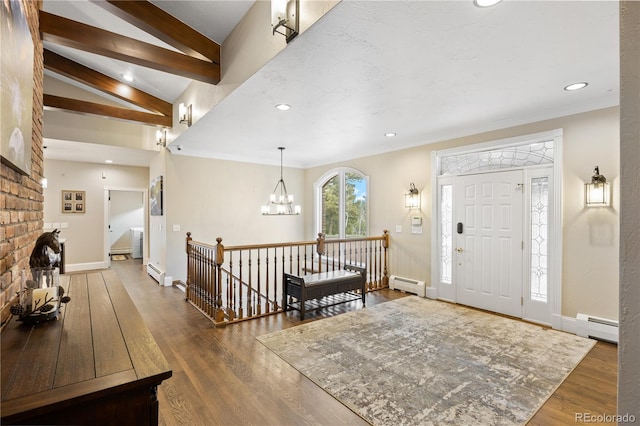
488,241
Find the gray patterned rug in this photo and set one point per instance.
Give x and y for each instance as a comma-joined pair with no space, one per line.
414,361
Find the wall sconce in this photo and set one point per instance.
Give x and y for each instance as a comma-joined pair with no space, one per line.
184,114
597,192
161,137
412,199
284,18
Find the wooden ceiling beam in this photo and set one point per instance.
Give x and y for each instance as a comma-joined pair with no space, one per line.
75,71
155,21
84,107
84,37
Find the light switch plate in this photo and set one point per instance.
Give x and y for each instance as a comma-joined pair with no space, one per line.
398,228
176,228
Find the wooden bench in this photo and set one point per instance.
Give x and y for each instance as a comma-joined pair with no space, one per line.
326,288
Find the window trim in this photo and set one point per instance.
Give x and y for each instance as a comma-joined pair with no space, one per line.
317,190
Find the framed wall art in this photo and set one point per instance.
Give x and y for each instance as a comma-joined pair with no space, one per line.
155,197
16,90
73,201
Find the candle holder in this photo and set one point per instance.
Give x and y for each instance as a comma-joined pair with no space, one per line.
40,297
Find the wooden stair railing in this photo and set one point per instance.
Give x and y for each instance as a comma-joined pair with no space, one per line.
231,284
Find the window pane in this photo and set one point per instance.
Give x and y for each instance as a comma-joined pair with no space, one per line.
446,238
331,208
539,237
355,205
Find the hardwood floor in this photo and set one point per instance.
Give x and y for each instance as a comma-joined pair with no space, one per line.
223,376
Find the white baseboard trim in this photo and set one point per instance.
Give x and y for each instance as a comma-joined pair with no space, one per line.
77,267
168,281
432,293
125,250
556,321
569,325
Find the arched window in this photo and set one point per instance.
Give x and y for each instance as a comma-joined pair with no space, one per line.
342,208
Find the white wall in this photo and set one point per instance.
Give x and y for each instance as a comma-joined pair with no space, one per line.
590,255
85,233
246,49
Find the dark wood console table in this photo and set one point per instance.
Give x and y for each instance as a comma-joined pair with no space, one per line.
324,285
97,364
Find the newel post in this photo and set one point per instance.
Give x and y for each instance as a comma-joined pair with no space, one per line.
320,249
219,312
385,245
189,264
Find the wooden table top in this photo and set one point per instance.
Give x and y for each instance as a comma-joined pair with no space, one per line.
99,343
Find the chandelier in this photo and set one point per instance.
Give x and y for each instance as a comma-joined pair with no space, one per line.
280,201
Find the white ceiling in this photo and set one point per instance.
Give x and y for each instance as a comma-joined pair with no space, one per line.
426,70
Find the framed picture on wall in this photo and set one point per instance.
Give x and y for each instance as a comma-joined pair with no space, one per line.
16,90
155,197
73,201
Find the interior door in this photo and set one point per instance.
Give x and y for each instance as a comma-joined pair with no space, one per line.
489,241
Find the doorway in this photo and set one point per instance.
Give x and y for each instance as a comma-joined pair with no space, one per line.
126,212
497,226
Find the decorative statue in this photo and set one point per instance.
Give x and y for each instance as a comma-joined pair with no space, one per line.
41,297
46,253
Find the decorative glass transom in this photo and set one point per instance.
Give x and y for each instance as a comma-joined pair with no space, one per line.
532,154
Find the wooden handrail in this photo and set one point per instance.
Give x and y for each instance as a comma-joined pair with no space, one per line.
236,283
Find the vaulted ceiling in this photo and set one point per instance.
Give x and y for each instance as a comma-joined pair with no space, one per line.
425,70
198,58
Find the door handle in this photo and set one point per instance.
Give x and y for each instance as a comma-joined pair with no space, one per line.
459,250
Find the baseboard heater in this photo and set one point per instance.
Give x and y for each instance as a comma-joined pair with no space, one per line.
408,285
155,273
597,328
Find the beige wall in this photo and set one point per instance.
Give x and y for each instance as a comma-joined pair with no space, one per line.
85,244
158,224
216,198
590,255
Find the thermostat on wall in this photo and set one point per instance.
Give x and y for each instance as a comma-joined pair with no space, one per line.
416,220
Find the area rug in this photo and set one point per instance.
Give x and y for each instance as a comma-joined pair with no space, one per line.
415,361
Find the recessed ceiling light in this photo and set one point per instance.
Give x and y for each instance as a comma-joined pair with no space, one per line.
576,86
486,3
127,77
283,107
390,134
108,161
